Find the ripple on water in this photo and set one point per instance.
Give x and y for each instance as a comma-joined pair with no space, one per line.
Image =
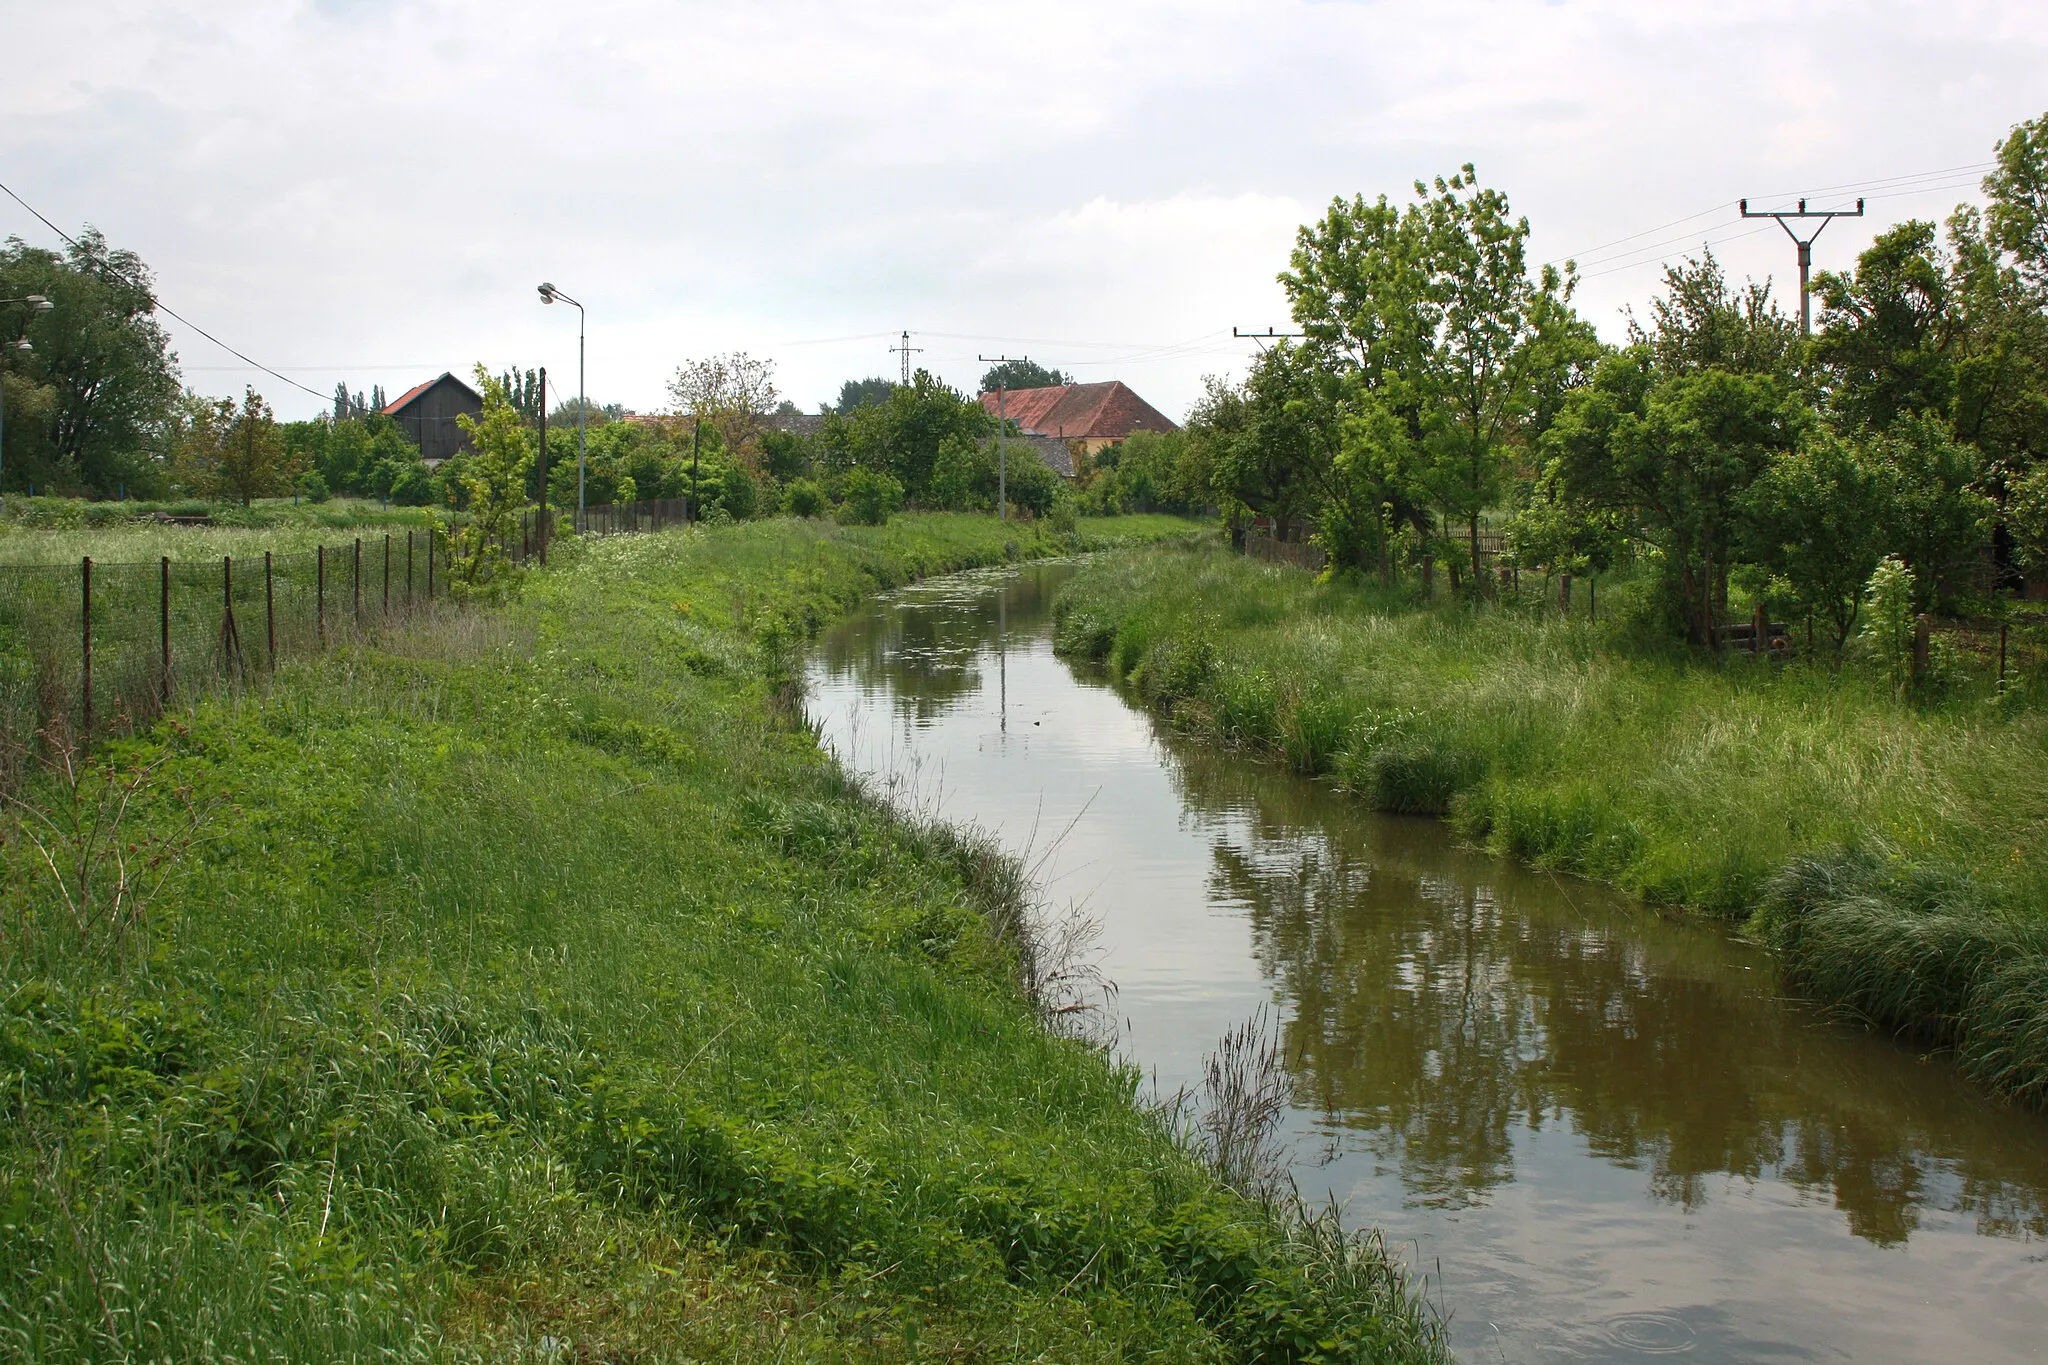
1652,1334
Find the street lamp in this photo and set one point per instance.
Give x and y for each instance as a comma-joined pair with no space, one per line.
548,294
35,303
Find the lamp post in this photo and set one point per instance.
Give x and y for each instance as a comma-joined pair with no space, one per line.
548,294
35,303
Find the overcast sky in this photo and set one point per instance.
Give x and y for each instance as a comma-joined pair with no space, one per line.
370,190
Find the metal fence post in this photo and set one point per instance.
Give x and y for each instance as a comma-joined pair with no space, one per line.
357,556
85,642
387,576
430,564
408,572
230,638
164,624
320,592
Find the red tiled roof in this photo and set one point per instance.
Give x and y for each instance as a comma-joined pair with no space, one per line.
1105,411
391,408
406,397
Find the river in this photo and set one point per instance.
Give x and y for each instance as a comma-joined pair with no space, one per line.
1601,1133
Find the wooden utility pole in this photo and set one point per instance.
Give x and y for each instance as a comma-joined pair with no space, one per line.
1805,245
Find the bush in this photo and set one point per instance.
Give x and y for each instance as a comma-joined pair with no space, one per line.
312,486
870,498
803,498
413,486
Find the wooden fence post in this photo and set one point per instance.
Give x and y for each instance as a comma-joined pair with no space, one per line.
320,592
387,576
85,642
357,556
408,572
430,565
269,613
1921,627
2002,627
164,625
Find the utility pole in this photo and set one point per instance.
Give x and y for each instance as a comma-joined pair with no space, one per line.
906,349
1002,423
1805,245
543,465
1268,335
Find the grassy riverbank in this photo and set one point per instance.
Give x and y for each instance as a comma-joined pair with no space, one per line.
1896,855
527,986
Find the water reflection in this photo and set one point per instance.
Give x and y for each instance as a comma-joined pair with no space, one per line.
1439,1001
1611,1129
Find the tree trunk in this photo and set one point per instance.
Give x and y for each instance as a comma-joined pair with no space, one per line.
1478,566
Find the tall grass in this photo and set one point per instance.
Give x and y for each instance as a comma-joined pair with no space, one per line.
531,991
1580,747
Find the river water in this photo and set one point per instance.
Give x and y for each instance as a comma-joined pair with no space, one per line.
1602,1134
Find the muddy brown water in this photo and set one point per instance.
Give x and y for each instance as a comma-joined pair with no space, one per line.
1601,1133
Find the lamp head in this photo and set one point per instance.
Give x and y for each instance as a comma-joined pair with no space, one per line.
39,303
22,345
547,293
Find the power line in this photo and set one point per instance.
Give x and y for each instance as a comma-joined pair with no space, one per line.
1898,186
158,304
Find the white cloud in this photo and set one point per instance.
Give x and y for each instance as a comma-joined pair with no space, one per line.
381,183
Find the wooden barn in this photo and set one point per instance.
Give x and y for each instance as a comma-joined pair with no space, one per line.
426,413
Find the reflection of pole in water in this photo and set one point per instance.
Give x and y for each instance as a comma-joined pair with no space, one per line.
1003,656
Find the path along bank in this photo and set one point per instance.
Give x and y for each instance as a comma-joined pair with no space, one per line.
527,985
1895,856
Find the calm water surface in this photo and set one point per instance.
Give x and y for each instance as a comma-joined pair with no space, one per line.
1603,1135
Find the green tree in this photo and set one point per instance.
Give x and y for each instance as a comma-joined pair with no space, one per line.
1272,442
1887,330
861,393
493,480
1817,518
903,435
237,453
2018,216
104,360
1675,455
1480,306
1022,374
1936,519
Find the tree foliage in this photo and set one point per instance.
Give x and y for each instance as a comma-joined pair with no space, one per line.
1022,374
84,405
236,452
493,478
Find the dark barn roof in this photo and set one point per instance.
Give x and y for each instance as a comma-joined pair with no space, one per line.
427,412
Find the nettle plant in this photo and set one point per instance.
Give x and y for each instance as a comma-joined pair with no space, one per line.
1888,613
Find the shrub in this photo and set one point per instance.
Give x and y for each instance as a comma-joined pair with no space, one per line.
870,498
312,486
803,498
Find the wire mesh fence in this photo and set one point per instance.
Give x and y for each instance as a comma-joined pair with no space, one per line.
92,648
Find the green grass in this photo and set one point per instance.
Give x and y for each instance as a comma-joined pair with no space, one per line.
62,530
533,988
1684,780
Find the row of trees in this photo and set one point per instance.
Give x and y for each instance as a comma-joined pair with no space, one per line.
1445,391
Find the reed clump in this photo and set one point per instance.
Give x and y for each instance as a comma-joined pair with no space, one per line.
1737,787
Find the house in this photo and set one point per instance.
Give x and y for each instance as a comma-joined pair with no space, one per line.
426,413
1076,419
